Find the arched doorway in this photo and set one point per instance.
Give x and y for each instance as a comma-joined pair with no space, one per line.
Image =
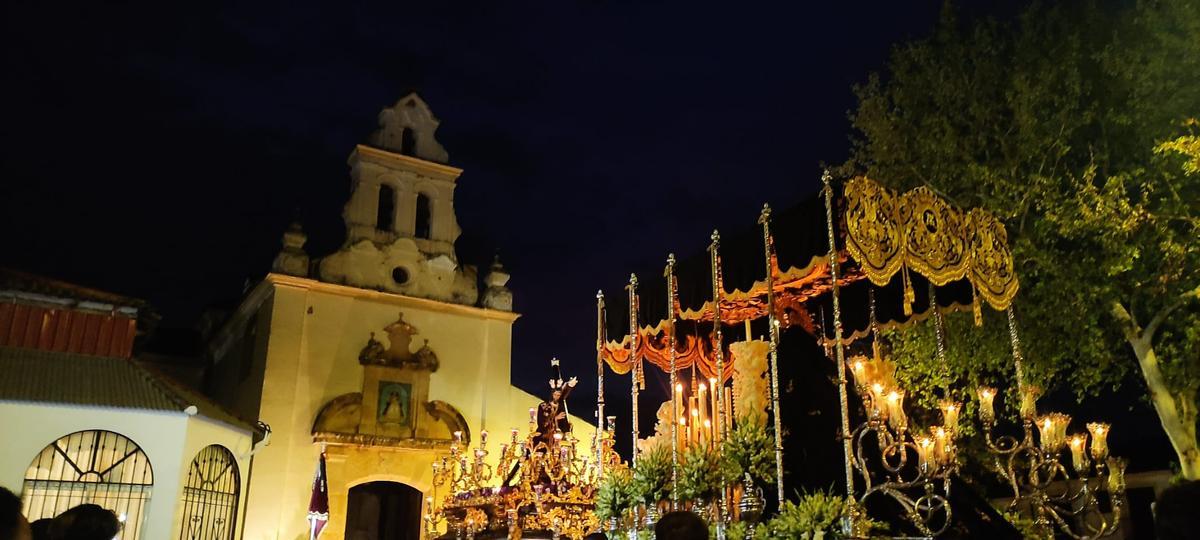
383,511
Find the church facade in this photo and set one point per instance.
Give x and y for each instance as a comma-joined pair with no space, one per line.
377,354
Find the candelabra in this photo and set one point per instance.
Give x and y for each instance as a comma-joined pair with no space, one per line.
921,486
1043,487
543,484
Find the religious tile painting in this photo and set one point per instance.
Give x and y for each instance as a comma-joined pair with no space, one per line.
395,404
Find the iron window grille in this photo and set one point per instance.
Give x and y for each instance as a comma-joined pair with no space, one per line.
91,467
210,496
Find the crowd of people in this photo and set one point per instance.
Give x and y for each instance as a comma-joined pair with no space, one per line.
83,522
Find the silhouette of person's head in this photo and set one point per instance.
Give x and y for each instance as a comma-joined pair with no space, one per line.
1175,513
681,526
85,522
41,529
13,525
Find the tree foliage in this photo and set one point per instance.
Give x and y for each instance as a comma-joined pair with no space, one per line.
1072,124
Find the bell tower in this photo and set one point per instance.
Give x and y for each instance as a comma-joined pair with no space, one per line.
400,221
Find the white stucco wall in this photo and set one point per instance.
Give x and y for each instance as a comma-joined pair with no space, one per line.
170,440
161,435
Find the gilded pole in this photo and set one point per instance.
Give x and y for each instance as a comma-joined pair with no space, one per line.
635,361
839,348
599,449
718,388
773,325
718,343
671,292
939,329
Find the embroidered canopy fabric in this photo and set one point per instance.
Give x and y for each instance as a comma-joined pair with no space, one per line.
888,233
883,234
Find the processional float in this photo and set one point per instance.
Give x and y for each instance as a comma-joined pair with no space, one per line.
887,455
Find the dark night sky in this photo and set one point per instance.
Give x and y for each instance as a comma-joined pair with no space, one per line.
160,150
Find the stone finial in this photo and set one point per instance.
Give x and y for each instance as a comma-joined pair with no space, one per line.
497,295
292,259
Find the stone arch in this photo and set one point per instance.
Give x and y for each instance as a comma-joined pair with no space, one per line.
341,414
447,414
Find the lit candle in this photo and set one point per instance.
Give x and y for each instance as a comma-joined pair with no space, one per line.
1116,475
859,368
941,448
533,415
708,432
1099,431
895,410
715,396
1078,443
704,408
925,451
950,410
1053,429
695,431
878,391
458,436
1029,397
683,432
987,410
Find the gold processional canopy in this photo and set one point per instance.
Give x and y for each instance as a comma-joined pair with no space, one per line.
885,233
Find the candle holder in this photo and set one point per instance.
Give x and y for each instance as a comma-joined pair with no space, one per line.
537,484
1057,497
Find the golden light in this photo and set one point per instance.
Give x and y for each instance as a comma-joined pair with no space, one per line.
1099,431
987,409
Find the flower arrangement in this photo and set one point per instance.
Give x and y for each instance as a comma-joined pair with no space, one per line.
816,515
748,449
615,495
652,475
701,474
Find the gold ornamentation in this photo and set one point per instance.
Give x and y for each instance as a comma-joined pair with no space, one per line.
935,237
920,232
992,273
874,235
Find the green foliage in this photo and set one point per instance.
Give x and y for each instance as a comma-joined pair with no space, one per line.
814,512
749,448
701,474
1071,125
652,475
615,495
1024,524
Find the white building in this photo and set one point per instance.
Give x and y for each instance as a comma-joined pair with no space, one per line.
84,423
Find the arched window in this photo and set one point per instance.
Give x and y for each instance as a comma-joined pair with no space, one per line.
408,142
210,496
424,216
91,467
385,217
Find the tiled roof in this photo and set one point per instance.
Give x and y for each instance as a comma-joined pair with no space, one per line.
55,377
22,281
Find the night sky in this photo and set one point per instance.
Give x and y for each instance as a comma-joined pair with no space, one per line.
160,150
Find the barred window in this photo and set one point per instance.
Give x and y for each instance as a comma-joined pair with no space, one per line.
210,496
91,467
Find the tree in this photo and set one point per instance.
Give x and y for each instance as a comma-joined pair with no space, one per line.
1071,124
